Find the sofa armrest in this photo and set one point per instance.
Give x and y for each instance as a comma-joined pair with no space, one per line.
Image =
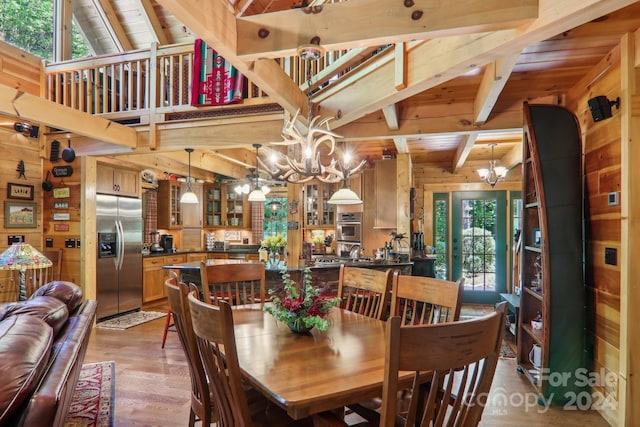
50,402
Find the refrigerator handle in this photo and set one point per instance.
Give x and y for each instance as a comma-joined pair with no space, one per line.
120,245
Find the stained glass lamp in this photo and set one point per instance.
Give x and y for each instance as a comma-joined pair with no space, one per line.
22,257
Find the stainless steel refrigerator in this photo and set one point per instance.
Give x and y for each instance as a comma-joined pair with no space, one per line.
119,257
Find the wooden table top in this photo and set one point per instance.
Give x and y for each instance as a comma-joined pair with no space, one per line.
307,374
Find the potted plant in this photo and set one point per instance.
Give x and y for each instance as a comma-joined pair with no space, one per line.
318,243
300,310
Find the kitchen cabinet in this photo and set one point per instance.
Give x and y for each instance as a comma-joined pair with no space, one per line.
551,315
318,212
117,181
235,207
197,256
386,214
217,255
212,205
154,276
169,209
192,212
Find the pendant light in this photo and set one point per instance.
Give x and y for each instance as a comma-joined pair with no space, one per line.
189,196
495,173
344,196
258,194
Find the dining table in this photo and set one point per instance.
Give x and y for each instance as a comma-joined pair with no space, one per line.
318,371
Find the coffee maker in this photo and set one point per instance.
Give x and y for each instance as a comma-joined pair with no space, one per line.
155,245
166,241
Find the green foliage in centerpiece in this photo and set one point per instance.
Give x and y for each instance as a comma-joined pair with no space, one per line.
274,243
309,306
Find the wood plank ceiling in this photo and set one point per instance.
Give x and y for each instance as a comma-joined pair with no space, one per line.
465,66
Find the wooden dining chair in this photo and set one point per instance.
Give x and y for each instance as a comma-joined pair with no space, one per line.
235,404
242,283
201,407
419,300
364,290
462,357
168,321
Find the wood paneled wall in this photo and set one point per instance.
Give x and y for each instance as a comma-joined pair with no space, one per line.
602,163
16,147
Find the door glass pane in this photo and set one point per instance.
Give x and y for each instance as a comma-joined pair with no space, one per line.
275,216
441,235
479,244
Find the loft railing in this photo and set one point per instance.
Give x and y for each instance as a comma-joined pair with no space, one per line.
160,79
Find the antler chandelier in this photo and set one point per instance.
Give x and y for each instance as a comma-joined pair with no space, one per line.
308,165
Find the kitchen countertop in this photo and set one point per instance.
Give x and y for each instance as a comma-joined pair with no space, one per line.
315,266
157,254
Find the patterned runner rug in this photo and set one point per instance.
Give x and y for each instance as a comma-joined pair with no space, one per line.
472,311
129,320
93,400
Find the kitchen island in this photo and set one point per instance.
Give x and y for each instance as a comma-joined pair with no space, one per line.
324,274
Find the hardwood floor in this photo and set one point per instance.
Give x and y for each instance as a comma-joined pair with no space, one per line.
152,384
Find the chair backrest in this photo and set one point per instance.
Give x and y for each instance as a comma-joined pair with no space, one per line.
179,306
364,290
215,337
241,283
419,300
462,356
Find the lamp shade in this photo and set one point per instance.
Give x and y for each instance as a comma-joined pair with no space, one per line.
188,197
344,196
256,196
23,256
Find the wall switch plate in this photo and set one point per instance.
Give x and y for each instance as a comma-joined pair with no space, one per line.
613,198
48,242
69,243
611,256
77,243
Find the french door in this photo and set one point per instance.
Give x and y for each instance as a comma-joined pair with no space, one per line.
479,244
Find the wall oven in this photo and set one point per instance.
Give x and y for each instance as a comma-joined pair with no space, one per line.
349,228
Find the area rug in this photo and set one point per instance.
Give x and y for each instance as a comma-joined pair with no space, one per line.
473,311
93,400
130,320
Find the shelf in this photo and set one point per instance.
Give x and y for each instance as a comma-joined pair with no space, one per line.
536,295
536,334
532,374
537,249
531,205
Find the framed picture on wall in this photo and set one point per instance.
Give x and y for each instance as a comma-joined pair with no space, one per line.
20,214
19,191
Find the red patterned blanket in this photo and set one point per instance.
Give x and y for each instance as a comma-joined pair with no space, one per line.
215,81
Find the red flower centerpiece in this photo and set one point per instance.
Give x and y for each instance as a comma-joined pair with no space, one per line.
300,310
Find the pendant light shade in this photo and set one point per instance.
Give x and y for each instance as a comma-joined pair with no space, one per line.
189,196
256,196
344,196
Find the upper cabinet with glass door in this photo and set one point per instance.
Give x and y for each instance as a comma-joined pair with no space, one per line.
212,205
318,212
236,208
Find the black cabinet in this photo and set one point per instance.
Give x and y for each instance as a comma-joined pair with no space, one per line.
424,267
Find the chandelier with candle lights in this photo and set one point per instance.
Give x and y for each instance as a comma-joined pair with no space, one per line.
307,163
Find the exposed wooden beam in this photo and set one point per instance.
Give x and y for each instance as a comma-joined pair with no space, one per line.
153,22
350,59
513,157
370,128
358,23
400,77
116,31
496,75
433,62
401,145
29,107
63,12
463,152
391,116
215,24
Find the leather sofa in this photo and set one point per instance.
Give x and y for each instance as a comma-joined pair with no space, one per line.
43,342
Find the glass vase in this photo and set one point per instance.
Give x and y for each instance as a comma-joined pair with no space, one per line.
274,258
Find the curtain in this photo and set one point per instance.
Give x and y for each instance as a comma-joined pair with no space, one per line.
215,81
